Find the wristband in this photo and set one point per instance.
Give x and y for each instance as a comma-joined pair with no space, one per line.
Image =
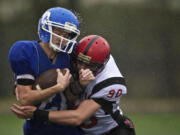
41,115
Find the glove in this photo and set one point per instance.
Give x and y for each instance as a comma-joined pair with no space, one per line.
128,123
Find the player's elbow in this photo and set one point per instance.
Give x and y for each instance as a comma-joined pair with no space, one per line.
78,121
23,96
24,100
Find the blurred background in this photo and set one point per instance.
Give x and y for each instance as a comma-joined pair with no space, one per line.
144,36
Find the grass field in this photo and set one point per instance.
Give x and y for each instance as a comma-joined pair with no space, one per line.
153,118
145,124
10,125
157,124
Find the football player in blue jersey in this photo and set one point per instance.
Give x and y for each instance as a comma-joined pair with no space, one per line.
58,30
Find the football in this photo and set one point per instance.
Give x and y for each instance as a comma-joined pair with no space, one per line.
46,79
49,78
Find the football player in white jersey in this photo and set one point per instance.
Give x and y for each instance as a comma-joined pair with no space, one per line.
102,83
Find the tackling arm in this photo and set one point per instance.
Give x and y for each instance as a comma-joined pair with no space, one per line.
75,117
68,117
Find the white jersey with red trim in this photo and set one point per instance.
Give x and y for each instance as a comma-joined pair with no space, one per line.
108,96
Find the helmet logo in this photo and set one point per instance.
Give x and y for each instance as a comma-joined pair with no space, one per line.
84,58
45,17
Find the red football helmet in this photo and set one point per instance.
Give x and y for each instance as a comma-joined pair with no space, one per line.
93,51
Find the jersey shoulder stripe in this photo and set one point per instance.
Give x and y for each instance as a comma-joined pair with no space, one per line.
107,82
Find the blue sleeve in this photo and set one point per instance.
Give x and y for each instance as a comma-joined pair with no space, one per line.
19,56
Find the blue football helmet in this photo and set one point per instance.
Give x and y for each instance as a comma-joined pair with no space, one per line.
63,19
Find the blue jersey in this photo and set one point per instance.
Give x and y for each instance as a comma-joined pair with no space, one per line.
28,60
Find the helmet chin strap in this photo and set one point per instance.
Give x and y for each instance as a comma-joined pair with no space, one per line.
51,46
99,69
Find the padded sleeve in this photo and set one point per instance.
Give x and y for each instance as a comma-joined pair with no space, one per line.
19,59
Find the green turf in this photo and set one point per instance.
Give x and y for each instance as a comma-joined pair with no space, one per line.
157,124
145,124
10,125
